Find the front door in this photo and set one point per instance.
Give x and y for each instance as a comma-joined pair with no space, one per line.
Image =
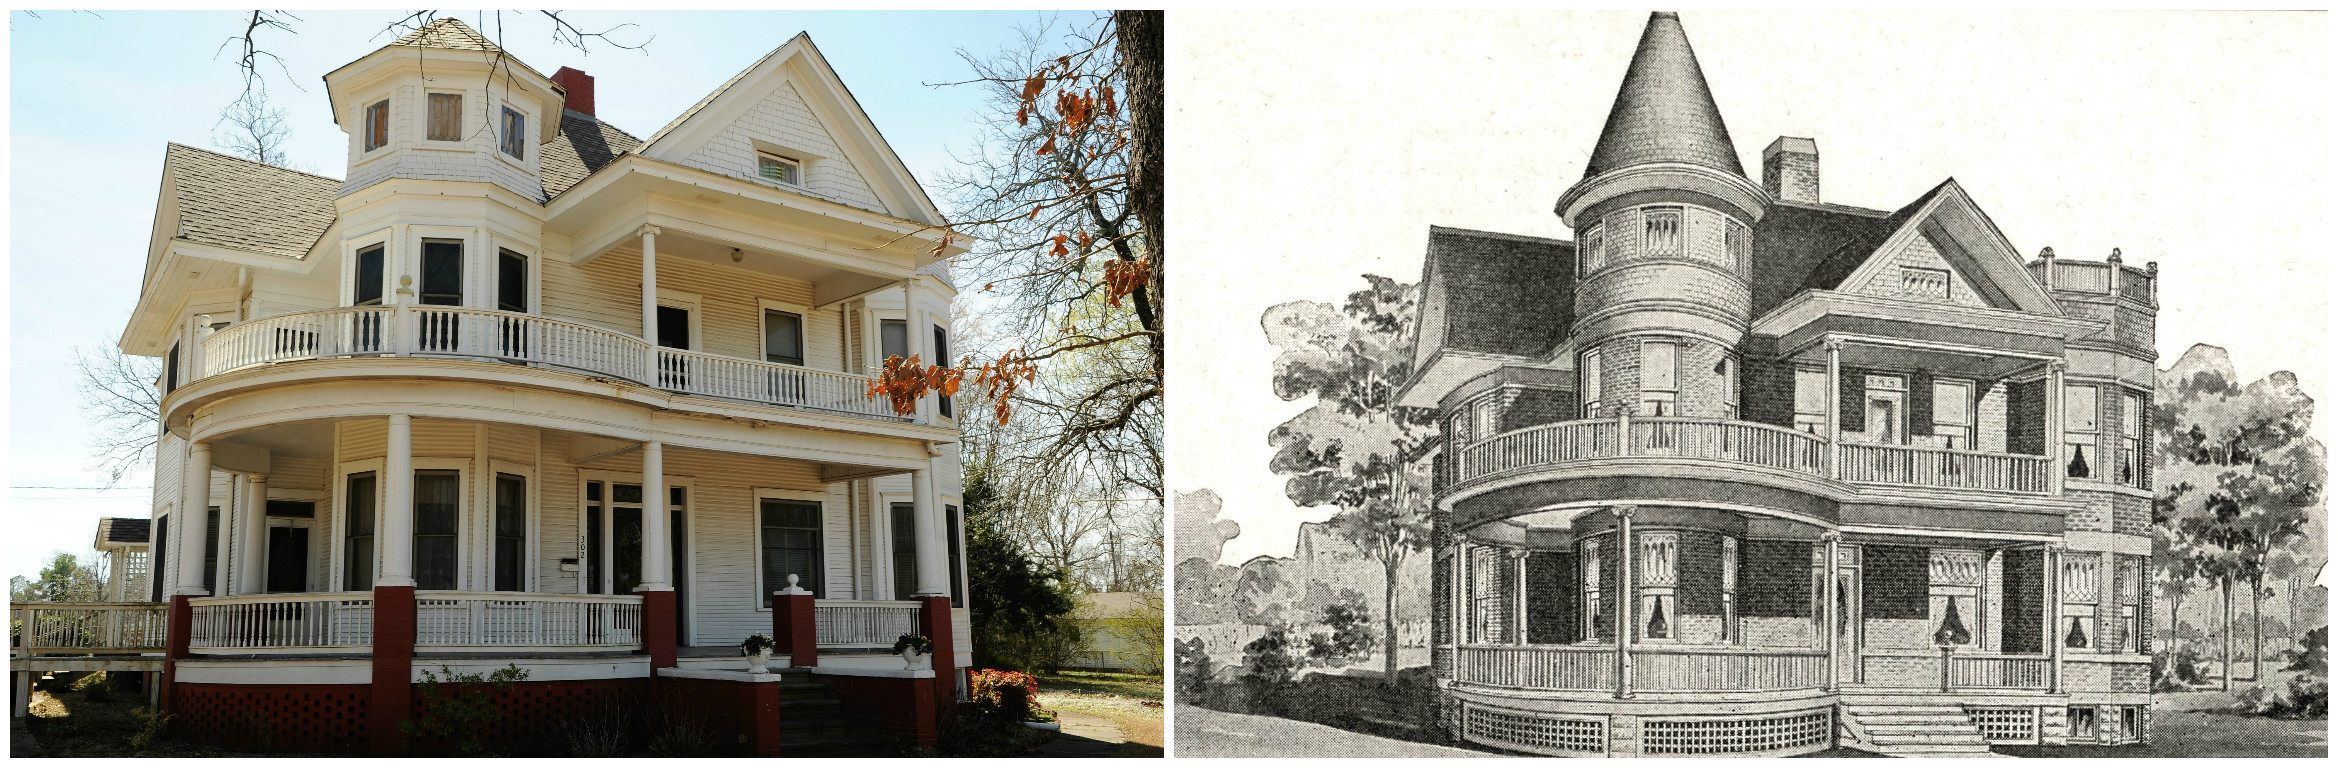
613,542
288,558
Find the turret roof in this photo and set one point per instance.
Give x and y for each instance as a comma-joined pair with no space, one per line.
1664,113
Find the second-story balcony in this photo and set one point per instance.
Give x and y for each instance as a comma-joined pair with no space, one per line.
1750,444
519,338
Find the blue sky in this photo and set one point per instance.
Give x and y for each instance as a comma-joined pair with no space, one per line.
93,99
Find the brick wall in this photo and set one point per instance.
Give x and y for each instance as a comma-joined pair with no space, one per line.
2025,595
2095,515
1777,632
1552,598
1698,385
2025,413
1773,578
1884,669
1766,384
1899,634
1989,420
1895,582
1700,573
1529,406
1852,391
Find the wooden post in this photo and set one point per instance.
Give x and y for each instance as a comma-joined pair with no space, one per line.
2056,469
649,302
1624,605
1831,597
2053,590
1834,408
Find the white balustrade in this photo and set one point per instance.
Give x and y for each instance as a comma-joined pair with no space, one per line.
863,624
88,627
1725,440
1537,446
298,622
526,620
1944,468
1999,671
1658,668
463,332
1541,668
1745,442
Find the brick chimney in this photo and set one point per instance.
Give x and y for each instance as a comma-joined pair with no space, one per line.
579,87
1790,169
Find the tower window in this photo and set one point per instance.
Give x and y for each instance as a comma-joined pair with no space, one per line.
1591,384
377,125
1740,243
1659,378
1661,229
446,117
1594,250
515,134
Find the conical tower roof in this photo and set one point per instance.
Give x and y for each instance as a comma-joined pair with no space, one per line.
1664,113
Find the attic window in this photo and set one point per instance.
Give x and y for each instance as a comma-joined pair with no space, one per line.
1924,283
785,170
377,125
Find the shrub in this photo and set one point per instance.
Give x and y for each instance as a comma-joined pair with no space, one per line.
1193,669
1005,695
1268,669
456,709
96,686
601,730
152,726
1350,636
673,733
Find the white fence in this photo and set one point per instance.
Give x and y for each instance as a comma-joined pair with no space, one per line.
432,331
301,622
863,624
88,627
525,620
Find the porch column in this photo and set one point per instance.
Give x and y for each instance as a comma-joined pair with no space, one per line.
657,562
391,694
251,537
1829,607
394,536
649,299
932,565
194,501
2053,613
920,346
1626,600
1834,408
1518,621
223,550
1464,631
2056,470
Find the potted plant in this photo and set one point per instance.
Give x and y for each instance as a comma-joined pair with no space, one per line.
913,648
758,650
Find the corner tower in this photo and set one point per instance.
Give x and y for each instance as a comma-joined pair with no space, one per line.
444,103
1664,221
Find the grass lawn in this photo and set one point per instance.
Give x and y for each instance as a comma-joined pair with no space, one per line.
2209,734
1130,702
1210,733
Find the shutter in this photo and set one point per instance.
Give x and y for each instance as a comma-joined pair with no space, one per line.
1851,399
1920,417
446,117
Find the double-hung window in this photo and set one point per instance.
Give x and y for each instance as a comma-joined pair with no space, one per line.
1952,413
1810,401
1592,386
941,357
892,339
437,512
1727,370
791,545
377,125
1588,557
783,337
2080,412
511,532
1659,378
357,534
2082,594
904,550
446,117
2131,440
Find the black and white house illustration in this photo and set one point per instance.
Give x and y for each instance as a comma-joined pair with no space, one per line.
1742,469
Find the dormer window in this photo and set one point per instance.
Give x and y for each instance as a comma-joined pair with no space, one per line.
377,125
785,170
515,134
446,117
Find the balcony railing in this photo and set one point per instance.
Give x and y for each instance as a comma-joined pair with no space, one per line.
1658,668
863,624
1944,468
78,628
461,332
1537,668
510,620
1753,444
1995,671
299,622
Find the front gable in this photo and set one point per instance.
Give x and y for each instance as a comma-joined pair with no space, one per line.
1948,251
791,104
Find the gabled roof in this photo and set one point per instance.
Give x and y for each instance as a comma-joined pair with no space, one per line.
115,532
447,33
584,145
243,205
1500,294
1664,113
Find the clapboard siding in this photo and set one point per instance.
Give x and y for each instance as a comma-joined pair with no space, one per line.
607,292
782,118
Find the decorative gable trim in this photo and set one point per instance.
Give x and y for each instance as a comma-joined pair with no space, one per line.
1996,264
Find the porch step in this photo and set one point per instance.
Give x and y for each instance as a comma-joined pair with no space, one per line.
1883,726
814,723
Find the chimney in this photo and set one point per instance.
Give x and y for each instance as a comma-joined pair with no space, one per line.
579,87
1790,169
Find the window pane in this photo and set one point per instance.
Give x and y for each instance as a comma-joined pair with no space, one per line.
1658,365
1663,233
437,496
783,337
446,117
625,549
893,338
511,530
357,549
511,282
442,272
1592,374
367,285
950,535
1952,403
791,545
776,169
941,357
377,125
515,133
904,551
2078,408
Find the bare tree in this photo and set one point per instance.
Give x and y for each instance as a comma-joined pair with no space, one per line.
253,129
118,391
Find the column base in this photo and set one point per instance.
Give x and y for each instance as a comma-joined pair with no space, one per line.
658,638
391,696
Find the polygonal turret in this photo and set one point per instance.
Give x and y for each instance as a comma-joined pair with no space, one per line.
444,103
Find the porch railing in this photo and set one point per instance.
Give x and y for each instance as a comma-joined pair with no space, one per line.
77,628
1658,668
464,332
1944,468
524,620
1752,443
300,622
863,624
1999,671
1541,668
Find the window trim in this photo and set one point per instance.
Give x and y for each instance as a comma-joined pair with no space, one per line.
763,591
371,137
1590,382
528,272
1591,253
352,254
763,328
339,576
944,407
2093,435
429,114
466,513
695,305
1818,417
1652,401
795,164
1970,430
531,521
507,139
1649,240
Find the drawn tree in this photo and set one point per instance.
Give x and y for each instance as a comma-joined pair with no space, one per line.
1355,449
2240,480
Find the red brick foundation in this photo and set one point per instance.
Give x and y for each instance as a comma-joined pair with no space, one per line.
903,706
747,710
535,716
792,629
933,621
392,692
657,628
178,635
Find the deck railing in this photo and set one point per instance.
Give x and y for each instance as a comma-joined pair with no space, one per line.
1750,443
1658,668
76,628
526,620
1999,671
1540,668
298,622
463,332
863,624
1944,468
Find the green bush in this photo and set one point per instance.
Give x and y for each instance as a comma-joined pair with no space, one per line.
457,710
153,725
1193,670
601,730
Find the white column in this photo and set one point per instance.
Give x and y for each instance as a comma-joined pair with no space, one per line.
2056,467
251,535
394,536
1830,602
1463,630
2053,638
657,563
194,499
223,550
1627,598
932,563
1518,605
1834,407
649,298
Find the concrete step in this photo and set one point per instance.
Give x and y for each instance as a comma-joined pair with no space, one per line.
1888,739
1959,727
1956,719
1933,750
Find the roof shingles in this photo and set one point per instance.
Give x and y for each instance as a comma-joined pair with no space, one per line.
243,205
